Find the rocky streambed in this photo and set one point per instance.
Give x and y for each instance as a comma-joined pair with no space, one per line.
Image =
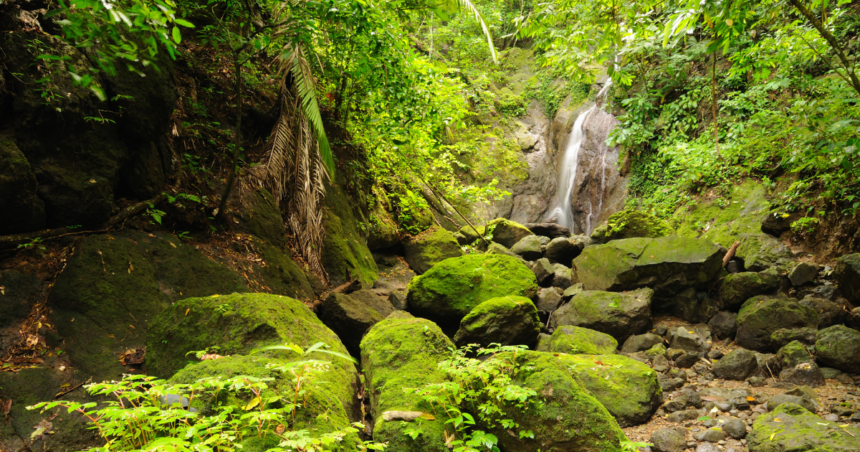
632,335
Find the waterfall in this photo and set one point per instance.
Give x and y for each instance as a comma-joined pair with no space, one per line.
562,209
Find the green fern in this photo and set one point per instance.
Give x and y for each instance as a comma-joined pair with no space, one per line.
467,5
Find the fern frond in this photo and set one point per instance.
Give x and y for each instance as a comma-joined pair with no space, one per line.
467,5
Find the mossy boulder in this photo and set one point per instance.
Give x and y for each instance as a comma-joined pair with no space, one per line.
791,428
633,223
507,320
430,247
403,352
69,432
345,255
761,316
507,232
529,248
383,231
619,315
739,364
115,285
737,288
761,251
792,354
839,347
847,275
669,265
281,275
263,219
348,318
22,209
455,286
563,250
238,324
576,340
322,410
629,389
570,418
469,234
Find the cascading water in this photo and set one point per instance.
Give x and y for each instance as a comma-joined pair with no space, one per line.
562,210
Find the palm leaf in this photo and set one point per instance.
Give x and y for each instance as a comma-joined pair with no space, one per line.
305,86
468,6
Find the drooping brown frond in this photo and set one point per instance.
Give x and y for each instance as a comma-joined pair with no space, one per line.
293,170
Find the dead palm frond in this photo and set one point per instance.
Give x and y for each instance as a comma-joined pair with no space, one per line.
298,160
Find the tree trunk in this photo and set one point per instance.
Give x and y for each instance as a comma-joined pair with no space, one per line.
237,136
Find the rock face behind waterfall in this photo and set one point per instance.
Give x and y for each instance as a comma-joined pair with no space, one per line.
599,190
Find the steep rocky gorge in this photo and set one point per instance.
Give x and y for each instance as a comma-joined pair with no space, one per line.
631,328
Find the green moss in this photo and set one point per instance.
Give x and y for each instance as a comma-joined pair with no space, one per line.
452,288
403,352
628,389
322,410
634,223
507,232
383,231
122,279
839,347
761,316
429,248
761,251
737,288
569,418
345,254
263,219
281,274
657,349
22,209
791,428
575,340
237,324
742,214
507,320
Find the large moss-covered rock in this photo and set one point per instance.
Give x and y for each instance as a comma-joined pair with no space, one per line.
281,274
760,252
570,419
507,232
69,432
629,389
22,209
238,324
323,409
113,287
529,248
509,320
348,318
669,265
345,255
430,247
847,275
575,340
403,352
262,218
761,316
619,315
563,250
829,312
791,428
737,288
383,231
633,223
839,347
452,288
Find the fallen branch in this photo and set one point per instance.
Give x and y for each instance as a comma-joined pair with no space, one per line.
729,255
60,394
9,241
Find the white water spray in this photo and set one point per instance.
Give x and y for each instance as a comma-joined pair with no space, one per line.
562,210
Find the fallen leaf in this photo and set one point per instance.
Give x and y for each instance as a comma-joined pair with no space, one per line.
7,407
750,399
2,290
280,429
771,436
172,244
776,419
187,311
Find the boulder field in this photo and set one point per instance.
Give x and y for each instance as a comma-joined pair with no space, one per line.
632,335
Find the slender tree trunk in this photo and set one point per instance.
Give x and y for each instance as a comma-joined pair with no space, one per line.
237,136
855,83
714,104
